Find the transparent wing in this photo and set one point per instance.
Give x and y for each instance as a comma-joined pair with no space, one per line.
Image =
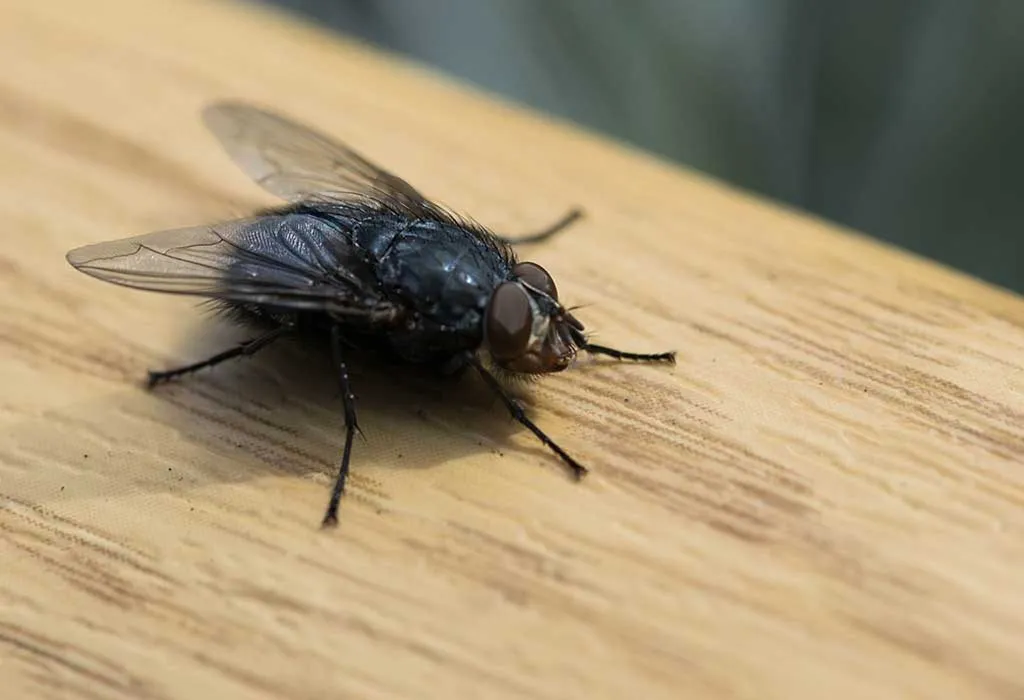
285,261
295,162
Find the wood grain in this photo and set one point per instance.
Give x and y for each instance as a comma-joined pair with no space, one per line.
826,494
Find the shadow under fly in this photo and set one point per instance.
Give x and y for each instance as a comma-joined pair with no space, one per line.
361,261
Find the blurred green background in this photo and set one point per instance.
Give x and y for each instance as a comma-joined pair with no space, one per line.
901,119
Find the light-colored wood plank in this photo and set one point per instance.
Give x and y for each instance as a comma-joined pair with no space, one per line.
825,495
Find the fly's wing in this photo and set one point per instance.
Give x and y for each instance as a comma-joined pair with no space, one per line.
289,261
297,163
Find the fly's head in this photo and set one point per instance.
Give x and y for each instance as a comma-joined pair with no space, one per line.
526,329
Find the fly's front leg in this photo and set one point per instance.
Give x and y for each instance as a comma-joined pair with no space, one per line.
248,348
583,344
548,232
351,427
514,408
669,357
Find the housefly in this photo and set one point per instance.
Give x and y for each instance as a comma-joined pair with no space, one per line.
357,259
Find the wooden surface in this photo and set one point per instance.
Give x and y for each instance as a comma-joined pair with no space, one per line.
825,496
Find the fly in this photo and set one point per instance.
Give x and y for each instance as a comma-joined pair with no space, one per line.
357,259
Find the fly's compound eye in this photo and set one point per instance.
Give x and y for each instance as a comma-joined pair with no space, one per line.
509,321
537,277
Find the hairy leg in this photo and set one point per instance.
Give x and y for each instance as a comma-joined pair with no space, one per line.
551,230
351,427
514,408
247,348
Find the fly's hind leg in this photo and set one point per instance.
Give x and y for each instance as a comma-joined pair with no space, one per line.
351,428
247,348
551,230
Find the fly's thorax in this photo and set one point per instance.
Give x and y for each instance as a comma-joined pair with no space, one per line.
442,272
526,329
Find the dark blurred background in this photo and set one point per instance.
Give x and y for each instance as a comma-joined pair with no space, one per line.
901,119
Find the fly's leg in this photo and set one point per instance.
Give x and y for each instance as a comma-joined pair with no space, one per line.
248,348
513,406
635,356
551,230
583,344
351,427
